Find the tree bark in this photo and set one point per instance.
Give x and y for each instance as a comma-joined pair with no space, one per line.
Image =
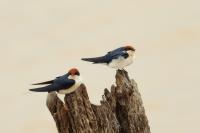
121,110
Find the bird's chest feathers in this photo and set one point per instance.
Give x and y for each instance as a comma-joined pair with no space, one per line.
70,89
121,62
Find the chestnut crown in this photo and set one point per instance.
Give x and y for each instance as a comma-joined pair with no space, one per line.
74,71
129,48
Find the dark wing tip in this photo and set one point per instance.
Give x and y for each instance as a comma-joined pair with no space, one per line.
44,83
42,89
95,60
32,90
85,59
35,84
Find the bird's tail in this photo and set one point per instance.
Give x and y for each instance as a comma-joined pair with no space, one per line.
43,83
95,60
43,89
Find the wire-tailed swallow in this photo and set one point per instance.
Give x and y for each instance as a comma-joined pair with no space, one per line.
64,84
118,58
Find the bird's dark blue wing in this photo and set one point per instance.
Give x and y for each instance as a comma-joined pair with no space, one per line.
46,82
48,88
116,54
95,60
43,83
63,82
59,83
109,56
117,50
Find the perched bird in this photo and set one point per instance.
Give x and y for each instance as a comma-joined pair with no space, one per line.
118,58
64,84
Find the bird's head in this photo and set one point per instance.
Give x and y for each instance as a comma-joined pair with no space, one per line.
74,74
130,50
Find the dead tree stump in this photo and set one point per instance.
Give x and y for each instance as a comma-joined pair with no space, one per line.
121,110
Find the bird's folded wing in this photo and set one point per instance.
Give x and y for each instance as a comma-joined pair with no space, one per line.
101,59
117,54
43,83
108,57
57,85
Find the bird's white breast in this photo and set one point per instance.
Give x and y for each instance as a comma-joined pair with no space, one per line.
122,62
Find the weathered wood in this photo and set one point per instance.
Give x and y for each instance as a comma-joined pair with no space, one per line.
121,110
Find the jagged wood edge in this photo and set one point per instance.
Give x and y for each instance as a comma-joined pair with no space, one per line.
109,117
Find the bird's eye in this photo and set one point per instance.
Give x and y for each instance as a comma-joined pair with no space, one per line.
130,49
77,73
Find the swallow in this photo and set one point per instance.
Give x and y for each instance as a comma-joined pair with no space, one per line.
64,84
118,58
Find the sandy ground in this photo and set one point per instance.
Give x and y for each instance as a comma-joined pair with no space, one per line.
41,39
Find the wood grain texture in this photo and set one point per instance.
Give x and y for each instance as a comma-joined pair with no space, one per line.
121,110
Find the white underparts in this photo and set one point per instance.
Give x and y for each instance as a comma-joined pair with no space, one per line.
121,62
74,87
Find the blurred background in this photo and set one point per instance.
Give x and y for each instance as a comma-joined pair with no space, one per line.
41,39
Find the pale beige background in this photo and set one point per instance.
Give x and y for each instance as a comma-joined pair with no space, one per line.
41,39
